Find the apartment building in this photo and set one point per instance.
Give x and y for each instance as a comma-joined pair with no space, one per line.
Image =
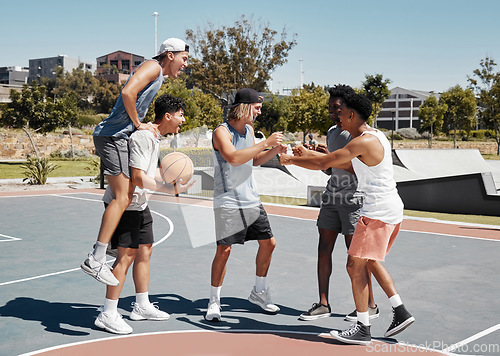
125,62
46,67
400,110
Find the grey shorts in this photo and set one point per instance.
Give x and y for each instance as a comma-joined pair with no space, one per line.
340,218
113,153
236,226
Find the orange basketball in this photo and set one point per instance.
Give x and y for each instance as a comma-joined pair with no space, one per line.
175,166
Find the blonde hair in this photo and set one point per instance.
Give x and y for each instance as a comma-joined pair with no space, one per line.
241,111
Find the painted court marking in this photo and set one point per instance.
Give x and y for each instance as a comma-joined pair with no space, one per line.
9,238
165,237
474,337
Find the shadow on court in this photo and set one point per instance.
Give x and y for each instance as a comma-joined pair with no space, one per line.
52,315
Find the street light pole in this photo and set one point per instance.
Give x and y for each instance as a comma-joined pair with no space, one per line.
155,15
393,112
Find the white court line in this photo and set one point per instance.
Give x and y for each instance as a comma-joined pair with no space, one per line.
472,338
170,232
10,238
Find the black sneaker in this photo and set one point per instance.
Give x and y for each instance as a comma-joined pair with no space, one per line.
317,311
401,319
357,334
372,312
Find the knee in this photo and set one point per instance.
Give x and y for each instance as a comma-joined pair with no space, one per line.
352,268
124,200
223,252
269,245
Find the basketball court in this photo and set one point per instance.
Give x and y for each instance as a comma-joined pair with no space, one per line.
447,275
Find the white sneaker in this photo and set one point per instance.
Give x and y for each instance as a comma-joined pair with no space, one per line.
213,311
263,300
151,312
113,323
99,271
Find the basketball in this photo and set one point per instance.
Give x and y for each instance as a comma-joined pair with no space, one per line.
175,166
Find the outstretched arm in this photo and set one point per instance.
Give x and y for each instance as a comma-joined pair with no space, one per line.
340,158
223,143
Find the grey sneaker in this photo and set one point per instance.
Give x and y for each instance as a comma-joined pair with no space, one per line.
374,313
357,334
113,323
213,311
263,300
317,311
151,312
99,271
401,319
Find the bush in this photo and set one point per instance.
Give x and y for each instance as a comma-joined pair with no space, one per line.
410,133
67,154
89,120
37,170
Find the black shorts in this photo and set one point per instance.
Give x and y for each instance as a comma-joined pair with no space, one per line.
236,226
135,228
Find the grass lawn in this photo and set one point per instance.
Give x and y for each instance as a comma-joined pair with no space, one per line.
66,168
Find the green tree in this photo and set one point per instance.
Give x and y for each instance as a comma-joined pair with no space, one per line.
485,83
308,110
375,87
461,112
32,111
275,110
232,57
80,82
105,96
431,115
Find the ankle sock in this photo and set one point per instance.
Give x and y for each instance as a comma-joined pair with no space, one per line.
364,318
215,293
260,284
100,251
142,299
110,306
395,300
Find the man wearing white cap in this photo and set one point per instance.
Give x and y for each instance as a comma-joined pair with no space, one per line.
111,143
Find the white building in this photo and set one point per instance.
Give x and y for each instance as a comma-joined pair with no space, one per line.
46,67
14,75
401,108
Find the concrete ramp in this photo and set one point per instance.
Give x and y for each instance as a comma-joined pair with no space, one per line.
430,163
449,181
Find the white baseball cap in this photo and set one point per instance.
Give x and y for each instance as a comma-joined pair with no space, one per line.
172,45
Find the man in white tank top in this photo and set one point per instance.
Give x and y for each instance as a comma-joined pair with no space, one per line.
369,154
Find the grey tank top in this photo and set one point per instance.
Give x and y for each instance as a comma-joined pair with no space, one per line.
234,187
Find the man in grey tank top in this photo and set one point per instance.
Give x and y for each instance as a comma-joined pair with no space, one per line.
238,211
339,211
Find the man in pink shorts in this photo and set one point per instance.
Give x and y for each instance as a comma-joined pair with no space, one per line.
369,154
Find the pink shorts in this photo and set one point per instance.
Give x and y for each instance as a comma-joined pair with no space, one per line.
373,239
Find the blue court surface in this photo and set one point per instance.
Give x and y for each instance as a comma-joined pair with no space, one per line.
447,281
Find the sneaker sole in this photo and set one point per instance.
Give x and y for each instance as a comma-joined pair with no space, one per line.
214,319
137,317
337,337
314,317
400,327
267,310
92,273
101,325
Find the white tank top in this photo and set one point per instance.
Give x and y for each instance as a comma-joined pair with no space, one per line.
376,184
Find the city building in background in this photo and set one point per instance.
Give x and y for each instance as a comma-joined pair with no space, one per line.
400,110
46,67
115,67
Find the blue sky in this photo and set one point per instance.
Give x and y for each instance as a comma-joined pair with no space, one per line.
421,45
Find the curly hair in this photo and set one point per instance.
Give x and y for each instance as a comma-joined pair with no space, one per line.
340,91
167,103
359,103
